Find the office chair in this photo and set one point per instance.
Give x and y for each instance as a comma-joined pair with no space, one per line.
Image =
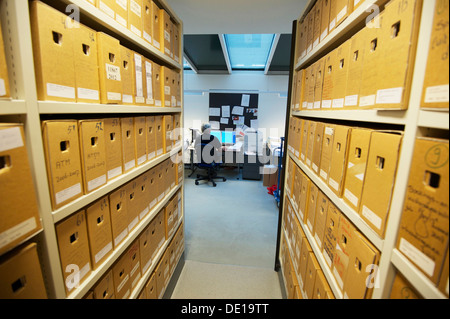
211,169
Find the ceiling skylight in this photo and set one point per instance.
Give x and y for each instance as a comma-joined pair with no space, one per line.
249,51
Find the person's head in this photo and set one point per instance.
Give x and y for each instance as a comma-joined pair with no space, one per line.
206,128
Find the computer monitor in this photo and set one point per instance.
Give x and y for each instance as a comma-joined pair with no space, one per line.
217,134
228,137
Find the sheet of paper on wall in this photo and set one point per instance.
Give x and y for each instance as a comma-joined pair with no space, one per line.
238,110
224,120
245,100
238,120
214,111
225,111
254,124
215,125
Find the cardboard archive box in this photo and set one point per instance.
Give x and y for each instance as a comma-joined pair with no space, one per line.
113,147
176,43
331,233
146,244
147,21
311,142
128,143
19,218
157,84
132,204
168,127
21,275
356,166
121,276
355,65
162,274
304,256
400,31
156,26
320,218
312,269
53,53
296,188
321,288
165,29
133,254
318,7
151,137
93,153
402,289
379,179
339,158
311,78
104,289
121,8
325,19
291,134
435,92
150,287
108,7
340,69
128,75
304,145
312,204
153,191
140,80
444,281
109,62
166,87
290,173
140,137
318,83
310,35
328,84
304,199
423,231
119,215
299,137
62,157
4,77
99,231
343,9
303,38
86,65
332,16
73,245
317,152
148,78
299,89
327,148
135,18
143,184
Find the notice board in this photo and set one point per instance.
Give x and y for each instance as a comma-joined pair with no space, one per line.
233,110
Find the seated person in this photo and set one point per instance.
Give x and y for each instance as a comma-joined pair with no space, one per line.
212,151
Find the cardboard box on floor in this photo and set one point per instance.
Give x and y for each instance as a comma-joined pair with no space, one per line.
340,69
113,147
73,245
62,157
99,231
135,19
109,62
317,153
355,65
402,289
53,53
328,84
121,277
435,92
423,232
128,75
379,181
104,289
4,77
93,153
331,233
86,65
327,148
356,167
21,275
119,215
19,218
128,143
400,31
339,158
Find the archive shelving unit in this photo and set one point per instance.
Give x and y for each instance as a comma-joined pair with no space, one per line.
413,121
24,107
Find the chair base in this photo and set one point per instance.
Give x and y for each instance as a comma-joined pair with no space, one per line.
209,178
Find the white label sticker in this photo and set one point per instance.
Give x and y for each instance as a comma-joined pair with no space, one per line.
388,96
351,100
114,172
323,174
371,217
126,98
112,72
135,30
103,252
435,94
338,103
135,8
123,4
332,23
367,100
138,68
17,231
156,44
326,104
315,167
166,35
333,183
360,176
10,138
96,182
316,105
352,198
60,91
120,237
106,9
142,159
2,87
129,165
114,96
342,13
324,34
67,193
418,257
147,37
88,94
148,73
121,20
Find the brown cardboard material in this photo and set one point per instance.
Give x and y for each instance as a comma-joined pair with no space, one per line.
107,6
133,253
303,39
345,237
299,137
300,90
113,147
147,21
304,252
73,245
327,148
318,7
321,218
340,67
150,287
317,153
312,269
311,78
145,248
423,231
318,85
121,276
402,289
435,92
343,9
312,204
321,288
93,153
304,146
143,184
168,127
355,65
339,157
109,62
331,233
162,271
148,78
380,179
128,75
53,53
121,10
160,182
298,41
290,173
333,12
140,137
128,143
140,79
132,204
119,215
20,274
166,87
104,289
328,84
62,154
156,26
153,193
135,19
304,202
4,77
157,84
325,20
356,166
362,268
311,142
400,31
151,137
176,42
19,217
86,65
165,29
443,281
296,188
99,231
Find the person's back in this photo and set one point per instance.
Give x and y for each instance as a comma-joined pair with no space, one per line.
208,147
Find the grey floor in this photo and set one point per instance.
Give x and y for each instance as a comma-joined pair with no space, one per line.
230,240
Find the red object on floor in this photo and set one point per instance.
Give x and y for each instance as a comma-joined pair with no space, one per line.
271,189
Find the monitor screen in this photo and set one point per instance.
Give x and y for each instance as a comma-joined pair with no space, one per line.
217,134
228,137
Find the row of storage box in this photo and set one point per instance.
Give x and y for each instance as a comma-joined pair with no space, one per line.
374,68
336,237
82,155
88,237
358,164
147,20
74,63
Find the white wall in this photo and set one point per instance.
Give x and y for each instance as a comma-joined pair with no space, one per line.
271,106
